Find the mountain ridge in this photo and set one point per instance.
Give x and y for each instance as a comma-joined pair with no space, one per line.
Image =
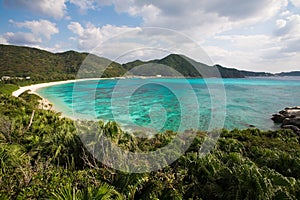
20,61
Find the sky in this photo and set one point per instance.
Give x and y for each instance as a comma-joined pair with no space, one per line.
256,35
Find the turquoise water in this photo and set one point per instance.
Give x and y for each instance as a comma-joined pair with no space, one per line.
177,104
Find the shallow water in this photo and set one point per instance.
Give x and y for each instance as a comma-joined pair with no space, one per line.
177,104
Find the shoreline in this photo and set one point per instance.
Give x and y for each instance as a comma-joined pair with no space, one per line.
33,88
44,103
47,104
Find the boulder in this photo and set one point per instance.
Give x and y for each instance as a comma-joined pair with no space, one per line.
295,121
278,118
289,118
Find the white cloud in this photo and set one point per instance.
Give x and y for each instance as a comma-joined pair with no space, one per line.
193,11
187,15
198,19
2,40
88,37
40,30
50,8
278,61
21,38
261,52
296,3
238,10
85,5
255,52
267,60
41,27
91,36
290,27
280,23
240,51
285,13
76,28
247,42
288,33
291,46
224,57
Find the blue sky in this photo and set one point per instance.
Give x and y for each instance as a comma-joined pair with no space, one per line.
258,35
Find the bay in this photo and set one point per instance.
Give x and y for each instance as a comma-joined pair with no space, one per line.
160,104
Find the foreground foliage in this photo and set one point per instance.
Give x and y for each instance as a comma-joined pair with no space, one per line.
42,156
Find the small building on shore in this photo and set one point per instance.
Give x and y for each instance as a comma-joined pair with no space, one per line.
5,78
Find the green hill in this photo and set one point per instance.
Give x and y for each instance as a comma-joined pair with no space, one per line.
41,65
38,64
183,65
24,61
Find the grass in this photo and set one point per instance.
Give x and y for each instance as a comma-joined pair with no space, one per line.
7,88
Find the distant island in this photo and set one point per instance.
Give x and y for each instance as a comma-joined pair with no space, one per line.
41,65
293,73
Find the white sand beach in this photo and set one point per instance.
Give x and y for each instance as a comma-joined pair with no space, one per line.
33,88
48,105
45,103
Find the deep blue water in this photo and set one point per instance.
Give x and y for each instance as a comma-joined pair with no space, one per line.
177,104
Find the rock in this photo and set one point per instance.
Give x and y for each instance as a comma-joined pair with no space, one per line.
278,118
295,121
292,127
289,118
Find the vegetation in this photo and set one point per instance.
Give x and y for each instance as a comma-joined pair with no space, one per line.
42,157
183,65
7,88
43,66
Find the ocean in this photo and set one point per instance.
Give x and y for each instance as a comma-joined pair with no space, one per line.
160,104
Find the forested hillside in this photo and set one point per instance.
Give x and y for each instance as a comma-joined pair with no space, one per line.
184,65
42,65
